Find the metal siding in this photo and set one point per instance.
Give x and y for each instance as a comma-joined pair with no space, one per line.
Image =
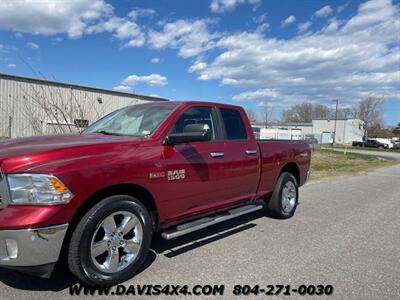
28,118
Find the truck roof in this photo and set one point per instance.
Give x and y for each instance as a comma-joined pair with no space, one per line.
190,102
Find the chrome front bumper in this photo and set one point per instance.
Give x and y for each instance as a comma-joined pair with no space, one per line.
31,247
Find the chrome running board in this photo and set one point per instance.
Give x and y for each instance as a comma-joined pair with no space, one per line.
208,221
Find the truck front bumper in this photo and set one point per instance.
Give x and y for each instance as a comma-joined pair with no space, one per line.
30,248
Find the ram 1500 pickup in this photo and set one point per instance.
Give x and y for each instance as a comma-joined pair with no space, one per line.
170,167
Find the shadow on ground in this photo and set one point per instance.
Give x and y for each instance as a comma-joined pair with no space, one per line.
62,278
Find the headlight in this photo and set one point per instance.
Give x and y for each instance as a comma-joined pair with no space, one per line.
37,189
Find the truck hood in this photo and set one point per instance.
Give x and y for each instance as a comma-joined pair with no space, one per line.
33,150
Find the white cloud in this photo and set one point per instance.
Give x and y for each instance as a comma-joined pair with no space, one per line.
302,27
288,20
260,19
123,88
155,60
346,59
260,94
197,66
136,42
32,46
152,80
12,65
141,12
324,12
190,37
73,17
341,8
48,17
263,27
122,29
220,6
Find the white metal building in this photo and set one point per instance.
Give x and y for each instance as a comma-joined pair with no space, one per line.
31,106
347,130
285,131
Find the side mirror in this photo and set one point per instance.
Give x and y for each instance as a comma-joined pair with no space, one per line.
191,133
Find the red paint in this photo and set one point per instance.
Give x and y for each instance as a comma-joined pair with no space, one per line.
92,162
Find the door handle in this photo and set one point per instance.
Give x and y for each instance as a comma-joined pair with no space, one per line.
217,154
251,152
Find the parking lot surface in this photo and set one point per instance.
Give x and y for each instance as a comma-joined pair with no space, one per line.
345,233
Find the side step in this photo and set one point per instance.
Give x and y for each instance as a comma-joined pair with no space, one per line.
208,221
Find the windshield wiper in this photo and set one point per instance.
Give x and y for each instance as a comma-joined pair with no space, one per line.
107,133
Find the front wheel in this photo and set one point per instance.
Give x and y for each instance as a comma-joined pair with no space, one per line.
111,242
284,199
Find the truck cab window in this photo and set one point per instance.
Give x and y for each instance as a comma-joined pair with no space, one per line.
196,115
234,127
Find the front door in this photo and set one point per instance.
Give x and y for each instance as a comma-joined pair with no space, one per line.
194,171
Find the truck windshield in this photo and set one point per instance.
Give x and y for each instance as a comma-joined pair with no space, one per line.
138,120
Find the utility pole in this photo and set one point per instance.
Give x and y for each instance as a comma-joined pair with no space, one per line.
334,130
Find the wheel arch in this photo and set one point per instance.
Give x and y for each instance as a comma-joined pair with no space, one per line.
133,190
292,168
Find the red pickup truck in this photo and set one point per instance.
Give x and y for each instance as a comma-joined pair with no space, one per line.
170,167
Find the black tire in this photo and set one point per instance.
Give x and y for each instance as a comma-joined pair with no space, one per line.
79,253
275,203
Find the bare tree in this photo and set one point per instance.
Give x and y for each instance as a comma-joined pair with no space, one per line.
50,106
267,114
252,115
345,112
56,107
369,111
305,113
396,130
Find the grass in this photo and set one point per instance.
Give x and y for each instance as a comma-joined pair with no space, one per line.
327,163
349,147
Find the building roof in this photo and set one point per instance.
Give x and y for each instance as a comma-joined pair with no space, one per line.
282,124
79,87
333,119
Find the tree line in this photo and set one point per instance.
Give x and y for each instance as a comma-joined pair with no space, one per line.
368,109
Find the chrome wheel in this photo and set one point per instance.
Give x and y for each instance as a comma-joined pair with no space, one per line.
289,195
116,242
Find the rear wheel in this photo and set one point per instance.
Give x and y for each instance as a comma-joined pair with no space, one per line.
284,199
111,242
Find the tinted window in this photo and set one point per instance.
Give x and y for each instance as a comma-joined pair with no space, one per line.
234,127
196,115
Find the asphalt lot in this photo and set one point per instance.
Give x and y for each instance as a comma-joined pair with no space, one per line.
346,233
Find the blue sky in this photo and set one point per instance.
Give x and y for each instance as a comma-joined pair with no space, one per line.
247,52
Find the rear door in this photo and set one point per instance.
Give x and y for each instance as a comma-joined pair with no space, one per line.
241,157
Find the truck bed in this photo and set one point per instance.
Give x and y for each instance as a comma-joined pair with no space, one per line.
275,154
